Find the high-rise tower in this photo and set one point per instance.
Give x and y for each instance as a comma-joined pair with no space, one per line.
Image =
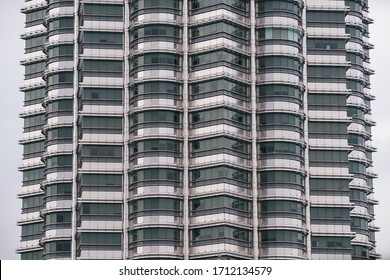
230,129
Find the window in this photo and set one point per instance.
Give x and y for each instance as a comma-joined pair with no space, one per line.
219,85
238,4
61,133
270,5
280,177
113,66
101,180
156,145
109,38
357,167
32,229
326,44
328,127
329,213
355,32
220,113
218,143
157,58
104,10
101,209
331,242
329,184
157,174
278,62
281,236
221,202
228,232
64,189
35,68
281,206
155,87
156,204
219,27
359,223
33,121
218,56
359,252
219,172
156,116
280,148
142,4
60,78
61,106
62,50
154,30
34,96
58,218
32,201
59,161
33,174
156,234
102,122
33,148
327,99
279,90
35,42
355,59
35,255
61,23
358,195
101,151
101,238
328,156
356,140
328,17
62,246
320,72
280,119
276,33
37,15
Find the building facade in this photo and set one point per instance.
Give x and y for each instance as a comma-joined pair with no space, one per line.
203,129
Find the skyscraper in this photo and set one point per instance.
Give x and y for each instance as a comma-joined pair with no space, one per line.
203,129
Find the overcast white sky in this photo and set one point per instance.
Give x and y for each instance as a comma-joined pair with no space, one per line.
11,75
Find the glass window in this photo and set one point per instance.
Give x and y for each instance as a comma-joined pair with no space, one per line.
327,99
101,180
61,23
280,177
219,27
220,113
32,201
34,95
154,30
219,172
111,38
34,42
331,242
272,5
60,133
36,120
156,116
156,145
223,201
57,246
156,58
61,78
238,4
36,15
58,189
101,209
33,174
276,33
58,218
329,213
156,203
35,255
158,174
103,10
219,85
101,238
325,16
219,56
62,50
218,143
329,184
34,147
281,206
281,148
278,62
35,68
269,236
328,156
280,119
142,4
102,122
103,66
102,151
64,161
155,233
279,90
328,127
228,232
